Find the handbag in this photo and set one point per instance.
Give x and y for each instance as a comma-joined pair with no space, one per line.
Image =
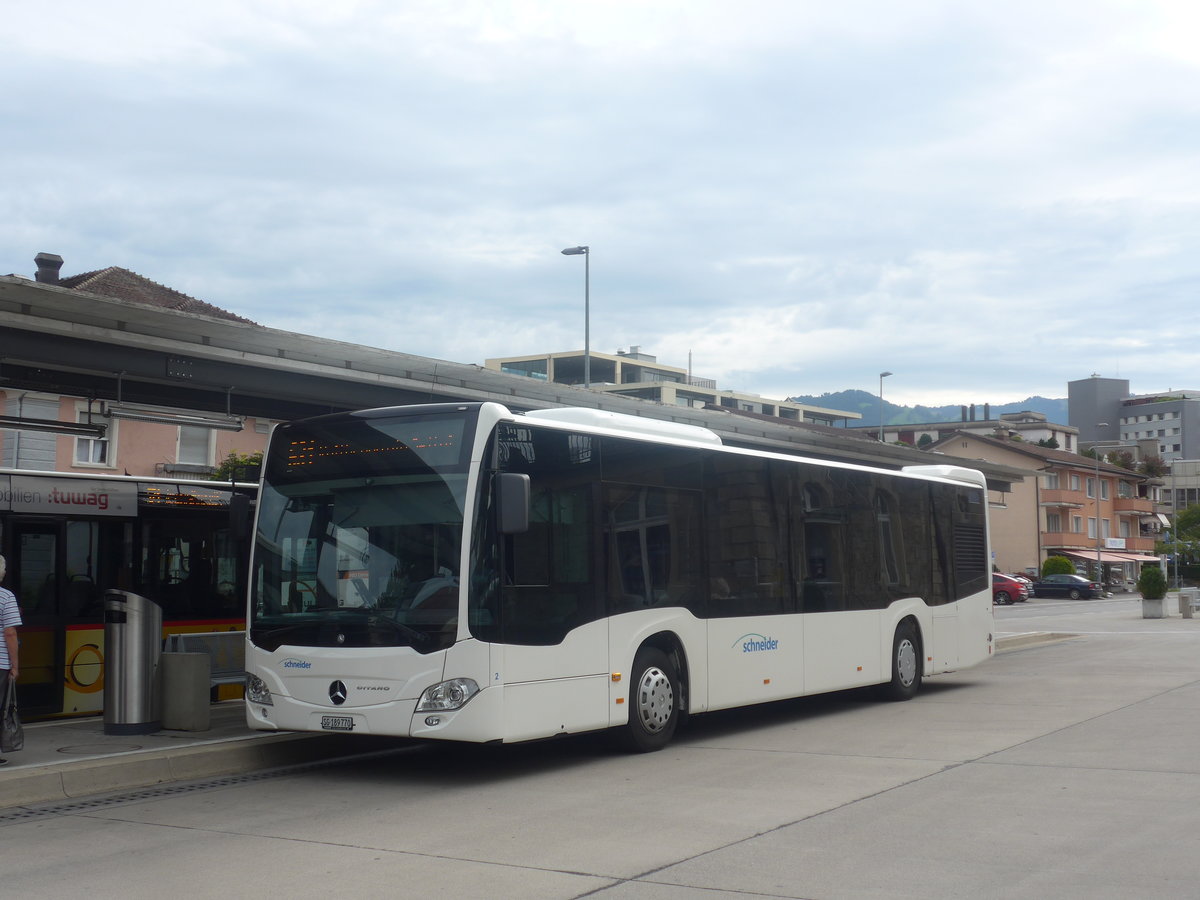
12,735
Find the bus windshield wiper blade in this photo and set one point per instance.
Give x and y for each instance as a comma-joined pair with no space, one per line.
414,637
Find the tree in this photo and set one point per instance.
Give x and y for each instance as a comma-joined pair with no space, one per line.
239,467
1152,583
924,442
1153,466
1122,459
1048,443
1057,565
1184,539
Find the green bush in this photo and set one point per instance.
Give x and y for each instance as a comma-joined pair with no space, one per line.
239,467
1152,583
1057,565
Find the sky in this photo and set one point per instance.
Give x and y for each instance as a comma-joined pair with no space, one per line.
987,200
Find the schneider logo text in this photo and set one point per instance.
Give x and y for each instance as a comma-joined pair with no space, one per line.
757,643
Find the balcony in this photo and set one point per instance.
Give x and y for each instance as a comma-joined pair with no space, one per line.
1138,505
1068,540
1059,497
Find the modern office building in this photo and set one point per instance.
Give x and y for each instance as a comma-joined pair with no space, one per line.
1103,409
633,373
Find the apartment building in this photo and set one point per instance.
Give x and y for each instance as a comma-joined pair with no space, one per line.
1078,507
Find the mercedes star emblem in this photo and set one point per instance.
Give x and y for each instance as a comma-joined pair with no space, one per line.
337,693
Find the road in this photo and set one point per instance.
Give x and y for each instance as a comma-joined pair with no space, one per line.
1064,769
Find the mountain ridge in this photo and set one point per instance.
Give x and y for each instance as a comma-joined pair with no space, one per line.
867,405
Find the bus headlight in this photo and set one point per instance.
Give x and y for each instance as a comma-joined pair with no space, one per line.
452,694
257,691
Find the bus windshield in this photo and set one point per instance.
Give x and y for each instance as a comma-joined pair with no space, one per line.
360,533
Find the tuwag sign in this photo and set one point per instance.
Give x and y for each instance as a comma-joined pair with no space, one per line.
67,496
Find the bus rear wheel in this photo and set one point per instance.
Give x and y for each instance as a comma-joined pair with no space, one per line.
906,665
654,699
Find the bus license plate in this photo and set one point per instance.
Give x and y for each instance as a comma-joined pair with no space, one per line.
337,723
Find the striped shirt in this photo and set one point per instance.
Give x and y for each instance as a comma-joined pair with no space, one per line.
10,617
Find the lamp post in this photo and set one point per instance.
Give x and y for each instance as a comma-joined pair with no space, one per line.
1175,504
1099,566
882,375
586,253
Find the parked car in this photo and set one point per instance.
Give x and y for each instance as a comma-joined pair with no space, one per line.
1006,589
1074,586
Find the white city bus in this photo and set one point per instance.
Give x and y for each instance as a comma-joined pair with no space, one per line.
463,572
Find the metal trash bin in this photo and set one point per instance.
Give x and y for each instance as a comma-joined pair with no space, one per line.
132,646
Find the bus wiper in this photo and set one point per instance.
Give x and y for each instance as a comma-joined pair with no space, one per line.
272,634
414,637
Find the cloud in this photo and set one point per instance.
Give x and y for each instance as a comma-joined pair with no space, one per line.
985,200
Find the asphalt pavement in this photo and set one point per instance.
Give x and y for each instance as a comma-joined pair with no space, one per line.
74,758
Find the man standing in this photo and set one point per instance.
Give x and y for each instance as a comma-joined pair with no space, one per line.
10,618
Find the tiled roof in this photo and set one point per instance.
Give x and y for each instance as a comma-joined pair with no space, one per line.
1047,454
126,285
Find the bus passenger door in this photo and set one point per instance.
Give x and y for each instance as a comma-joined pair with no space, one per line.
555,656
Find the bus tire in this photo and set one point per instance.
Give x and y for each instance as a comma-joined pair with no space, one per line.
906,664
654,700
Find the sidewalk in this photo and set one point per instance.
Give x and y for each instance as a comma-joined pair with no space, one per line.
70,758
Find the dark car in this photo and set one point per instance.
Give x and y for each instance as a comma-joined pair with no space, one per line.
1073,586
1007,590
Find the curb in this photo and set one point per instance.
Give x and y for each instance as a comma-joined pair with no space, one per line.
68,781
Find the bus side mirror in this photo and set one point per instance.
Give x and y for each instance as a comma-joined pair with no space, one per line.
512,499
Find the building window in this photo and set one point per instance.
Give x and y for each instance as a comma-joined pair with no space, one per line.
1074,482
1053,522
1091,487
1092,527
195,445
1103,489
94,451
1050,481
1076,524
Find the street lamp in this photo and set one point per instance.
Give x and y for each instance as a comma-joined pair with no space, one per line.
1099,566
585,252
882,375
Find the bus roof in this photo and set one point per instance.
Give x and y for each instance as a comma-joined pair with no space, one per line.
598,418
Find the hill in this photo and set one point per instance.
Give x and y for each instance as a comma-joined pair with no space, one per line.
867,405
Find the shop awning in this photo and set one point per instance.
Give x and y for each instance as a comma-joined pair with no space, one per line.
1109,556
1139,557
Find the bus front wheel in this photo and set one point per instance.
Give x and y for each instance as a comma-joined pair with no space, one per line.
906,665
654,697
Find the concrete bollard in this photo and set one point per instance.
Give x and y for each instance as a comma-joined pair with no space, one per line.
185,689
